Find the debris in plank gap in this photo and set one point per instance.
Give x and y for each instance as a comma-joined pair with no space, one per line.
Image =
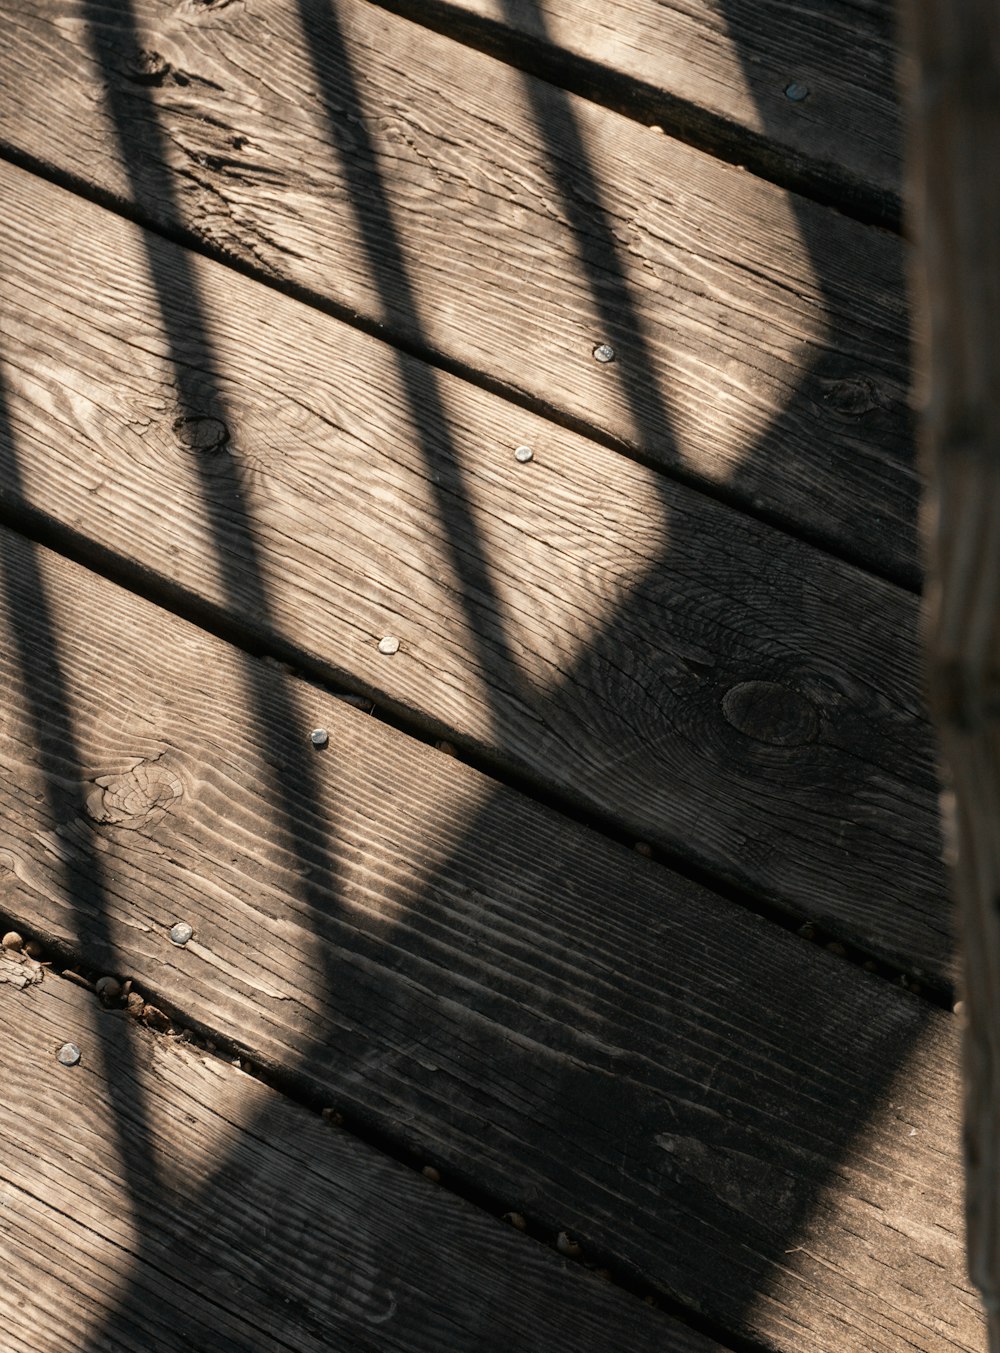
108,989
430,1173
78,979
155,1019
68,1054
516,1220
334,1117
870,965
34,949
644,849
808,930
565,1244
358,701
135,1004
17,970
835,947
958,1008
447,747
12,940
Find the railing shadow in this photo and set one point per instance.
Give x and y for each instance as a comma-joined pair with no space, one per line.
638,1110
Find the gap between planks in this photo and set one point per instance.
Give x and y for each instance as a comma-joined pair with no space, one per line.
550,1018
718,689
768,362
221,1217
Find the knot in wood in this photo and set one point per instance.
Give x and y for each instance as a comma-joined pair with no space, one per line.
201,434
134,798
769,712
855,396
144,67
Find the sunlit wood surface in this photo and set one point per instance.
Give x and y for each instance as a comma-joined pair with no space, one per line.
514,394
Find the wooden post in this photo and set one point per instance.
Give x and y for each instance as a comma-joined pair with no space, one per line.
953,92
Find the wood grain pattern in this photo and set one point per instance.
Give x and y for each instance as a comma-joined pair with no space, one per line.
506,227
730,695
549,1017
954,108
175,1203
806,92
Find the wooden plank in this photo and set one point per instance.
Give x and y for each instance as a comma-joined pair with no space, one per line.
181,1205
804,93
507,228
544,1016
715,688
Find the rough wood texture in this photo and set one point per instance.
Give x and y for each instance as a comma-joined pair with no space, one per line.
804,92
717,689
156,1198
550,1017
955,108
508,227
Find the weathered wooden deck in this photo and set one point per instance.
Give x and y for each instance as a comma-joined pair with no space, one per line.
591,987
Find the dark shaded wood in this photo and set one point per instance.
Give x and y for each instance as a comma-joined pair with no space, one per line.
805,93
186,1207
715,688
508,228
955,113
544,1016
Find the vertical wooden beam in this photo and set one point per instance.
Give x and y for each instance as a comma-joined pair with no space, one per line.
953,91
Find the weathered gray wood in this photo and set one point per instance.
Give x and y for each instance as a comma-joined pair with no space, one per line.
155,1197
806,93
955,107
717,689
508,227
552,1018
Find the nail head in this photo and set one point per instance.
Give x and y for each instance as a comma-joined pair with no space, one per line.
68,1054
388,645
319,737
795,92
524,454
180,933
604,352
